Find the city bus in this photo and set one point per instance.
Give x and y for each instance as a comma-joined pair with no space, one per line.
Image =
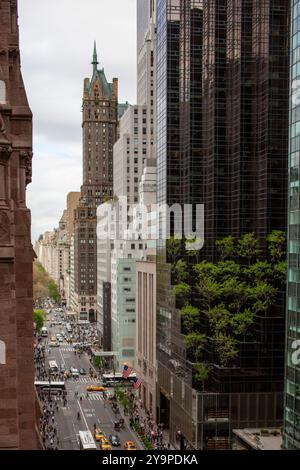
53,367
117,378
86,441
52,385
44,332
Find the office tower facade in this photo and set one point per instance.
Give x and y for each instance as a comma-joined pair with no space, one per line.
100,122
222,113
18,428
72,203
292,382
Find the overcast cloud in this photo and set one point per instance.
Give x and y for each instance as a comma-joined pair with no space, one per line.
56,50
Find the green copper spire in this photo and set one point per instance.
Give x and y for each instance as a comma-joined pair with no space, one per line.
95,57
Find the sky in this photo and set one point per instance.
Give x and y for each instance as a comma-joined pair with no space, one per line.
56,40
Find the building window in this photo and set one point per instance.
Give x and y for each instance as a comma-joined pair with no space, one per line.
2,92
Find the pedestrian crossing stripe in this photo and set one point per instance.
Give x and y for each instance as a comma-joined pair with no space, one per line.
67,349
95,397
86,380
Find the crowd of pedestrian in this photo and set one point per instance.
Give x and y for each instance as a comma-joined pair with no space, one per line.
48,422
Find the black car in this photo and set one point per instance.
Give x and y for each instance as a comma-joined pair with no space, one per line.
82,371
115,440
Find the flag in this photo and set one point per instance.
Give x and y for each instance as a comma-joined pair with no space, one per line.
127,371
137,383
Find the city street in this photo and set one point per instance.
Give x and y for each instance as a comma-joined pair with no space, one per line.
93,409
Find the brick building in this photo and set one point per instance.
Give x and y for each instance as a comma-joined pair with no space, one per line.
17,395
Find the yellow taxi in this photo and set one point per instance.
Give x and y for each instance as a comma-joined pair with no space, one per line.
53,339
105,444
95,388
129,445
98,434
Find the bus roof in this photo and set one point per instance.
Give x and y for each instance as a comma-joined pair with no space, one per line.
116,375
87,440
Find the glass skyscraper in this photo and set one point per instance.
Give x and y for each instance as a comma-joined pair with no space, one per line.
292,389
222,140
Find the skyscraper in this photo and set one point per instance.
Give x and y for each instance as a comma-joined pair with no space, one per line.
222,140
18,428
100,121
292,383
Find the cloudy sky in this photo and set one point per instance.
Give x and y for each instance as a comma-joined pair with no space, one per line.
56,50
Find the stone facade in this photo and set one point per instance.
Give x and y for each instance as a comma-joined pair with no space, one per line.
100,124
17,395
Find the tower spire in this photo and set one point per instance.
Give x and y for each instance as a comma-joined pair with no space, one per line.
95,57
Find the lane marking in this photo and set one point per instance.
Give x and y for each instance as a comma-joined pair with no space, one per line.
87,427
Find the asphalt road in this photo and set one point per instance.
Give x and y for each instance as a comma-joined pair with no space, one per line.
93,408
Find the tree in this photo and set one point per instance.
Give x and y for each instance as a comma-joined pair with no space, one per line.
249,247
98,362
220,300
53,291
182,291
201,371
190,317
276,245
263,296
39,319
195,343
181,271
226,347
226,247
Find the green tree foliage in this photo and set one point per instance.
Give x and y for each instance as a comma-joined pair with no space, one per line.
195,343
53,291
39,319
182,291
221,300
277,245
201,371
180,271
226,247
249,247
190,317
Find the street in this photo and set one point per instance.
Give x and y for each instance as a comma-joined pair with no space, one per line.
93,408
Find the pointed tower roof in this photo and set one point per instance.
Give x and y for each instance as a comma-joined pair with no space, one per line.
95,57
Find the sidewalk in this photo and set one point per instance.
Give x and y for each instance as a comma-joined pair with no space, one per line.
143,419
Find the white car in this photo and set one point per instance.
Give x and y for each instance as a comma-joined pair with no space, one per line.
74,372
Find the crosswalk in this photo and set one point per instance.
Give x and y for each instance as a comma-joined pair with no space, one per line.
86,380
67,349
94,397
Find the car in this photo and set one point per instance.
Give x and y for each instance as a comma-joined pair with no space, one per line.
115,440
53,339
98,434
95,388
105,444
82,371
60,339
129,445
74,372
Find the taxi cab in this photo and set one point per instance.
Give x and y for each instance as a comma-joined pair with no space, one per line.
95,388
129,445
98,434
105,444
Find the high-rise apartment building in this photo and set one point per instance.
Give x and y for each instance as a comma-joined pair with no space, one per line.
18,427
222,140
136,139
100,122
292,382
